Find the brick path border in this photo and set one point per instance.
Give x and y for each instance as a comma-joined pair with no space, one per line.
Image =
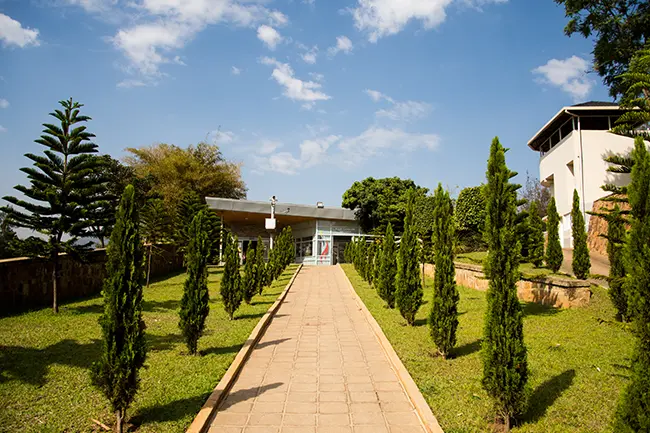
412,391
202,420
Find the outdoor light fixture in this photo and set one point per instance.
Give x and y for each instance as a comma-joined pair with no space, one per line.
320,205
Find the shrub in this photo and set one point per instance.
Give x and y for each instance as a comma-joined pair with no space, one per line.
408,287
388,269
536,236
230,288
470,218
581,262
554,255
249,286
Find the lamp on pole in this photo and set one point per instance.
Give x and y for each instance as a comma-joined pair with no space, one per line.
270,222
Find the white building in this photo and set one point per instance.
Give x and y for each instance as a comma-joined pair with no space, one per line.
572,146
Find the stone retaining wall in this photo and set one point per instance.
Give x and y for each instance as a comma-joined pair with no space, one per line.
551,291
26,283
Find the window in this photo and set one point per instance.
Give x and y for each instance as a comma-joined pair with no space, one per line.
304,246
599,123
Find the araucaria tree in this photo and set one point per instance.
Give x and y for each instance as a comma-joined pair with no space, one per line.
408,287
554,255
632,412
581,263
63,189
249,286
505,366
387,268
615,241
443,320
536,236
194,303
231,293
123,342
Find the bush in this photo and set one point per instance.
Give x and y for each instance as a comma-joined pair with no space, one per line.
231,293
536,236
249,286
581,262
408,287
470,219
387,269
554,255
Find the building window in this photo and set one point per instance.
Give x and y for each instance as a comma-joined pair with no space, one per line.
304,246
596,123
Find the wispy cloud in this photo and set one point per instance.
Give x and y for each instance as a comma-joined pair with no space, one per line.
295,89
343,44
405,111
235,70
4,103
569,74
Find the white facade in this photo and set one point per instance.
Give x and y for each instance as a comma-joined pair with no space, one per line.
572,146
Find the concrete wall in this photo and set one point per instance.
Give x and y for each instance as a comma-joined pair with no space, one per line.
26,283
555,292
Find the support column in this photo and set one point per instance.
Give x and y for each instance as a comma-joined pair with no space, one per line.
221,241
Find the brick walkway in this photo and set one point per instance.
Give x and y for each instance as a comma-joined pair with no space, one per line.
318,368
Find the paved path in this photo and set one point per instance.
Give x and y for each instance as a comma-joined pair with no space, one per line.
599,265
318,368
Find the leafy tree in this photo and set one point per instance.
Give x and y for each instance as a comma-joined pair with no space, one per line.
615,242
632,412
194,303
536,237
388,268
123,343
534,192
176,171
260,270
581,262
188,207
470,218
619,27
62,189
231,292
505,366
408,286
249,286
377,202
154,227
8,239
443,320
554,255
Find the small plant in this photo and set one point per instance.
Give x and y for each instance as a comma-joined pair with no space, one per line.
231,293
554,255
581,262
408,287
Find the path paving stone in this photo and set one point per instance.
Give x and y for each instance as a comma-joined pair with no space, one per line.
318,368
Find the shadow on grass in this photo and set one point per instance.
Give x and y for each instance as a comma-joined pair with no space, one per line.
172,411
545,395
83,309
157,342
420,322
249,316
29,365
160,306
466,349
535,309
221,350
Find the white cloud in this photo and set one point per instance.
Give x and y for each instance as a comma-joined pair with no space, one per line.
405,111
3,129
377,96
310,55
278,18
221,137
569,74
314,151
295,89
13,33
4,103
317,77
269,36
343,43
129,83
235,70
281,162
93,5
268,146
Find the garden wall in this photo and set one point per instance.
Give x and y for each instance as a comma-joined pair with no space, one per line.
26,283
551,291
598,226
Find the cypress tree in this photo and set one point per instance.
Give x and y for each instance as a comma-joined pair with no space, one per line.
370,270
249,286
363,258
536,236
377,260
505,366
443,320
615,241
581,262
632,414
388,269
123,342
554,255
408,286
231,293
260,271
194,303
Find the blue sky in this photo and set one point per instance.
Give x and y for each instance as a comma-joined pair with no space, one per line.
308,95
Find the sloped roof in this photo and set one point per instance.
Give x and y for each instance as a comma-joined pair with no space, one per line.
596,104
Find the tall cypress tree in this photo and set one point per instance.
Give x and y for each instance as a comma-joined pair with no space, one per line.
370,270
123,343
64,189
249,286
554,255
377,259
408,286
633,410
536,236
195,301
230,288
615,241
581,262
505,366
443,320
388,268
260,270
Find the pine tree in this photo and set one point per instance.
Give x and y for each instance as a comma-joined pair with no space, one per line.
581,262
388,268
443,320
615,242
123,343
370,271
194,303
188,207
154,227
377,267
249,286
231,293
554,255
260,271
505,366
408,286
536,236
63,190
632,413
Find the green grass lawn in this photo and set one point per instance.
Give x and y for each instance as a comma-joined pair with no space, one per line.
578,361
527,269
45,360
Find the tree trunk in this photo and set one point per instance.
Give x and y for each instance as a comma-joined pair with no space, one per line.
119,421
55,281
506,423
149,264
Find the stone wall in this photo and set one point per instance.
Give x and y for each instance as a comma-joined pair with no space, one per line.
26,283
598,226
551,291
